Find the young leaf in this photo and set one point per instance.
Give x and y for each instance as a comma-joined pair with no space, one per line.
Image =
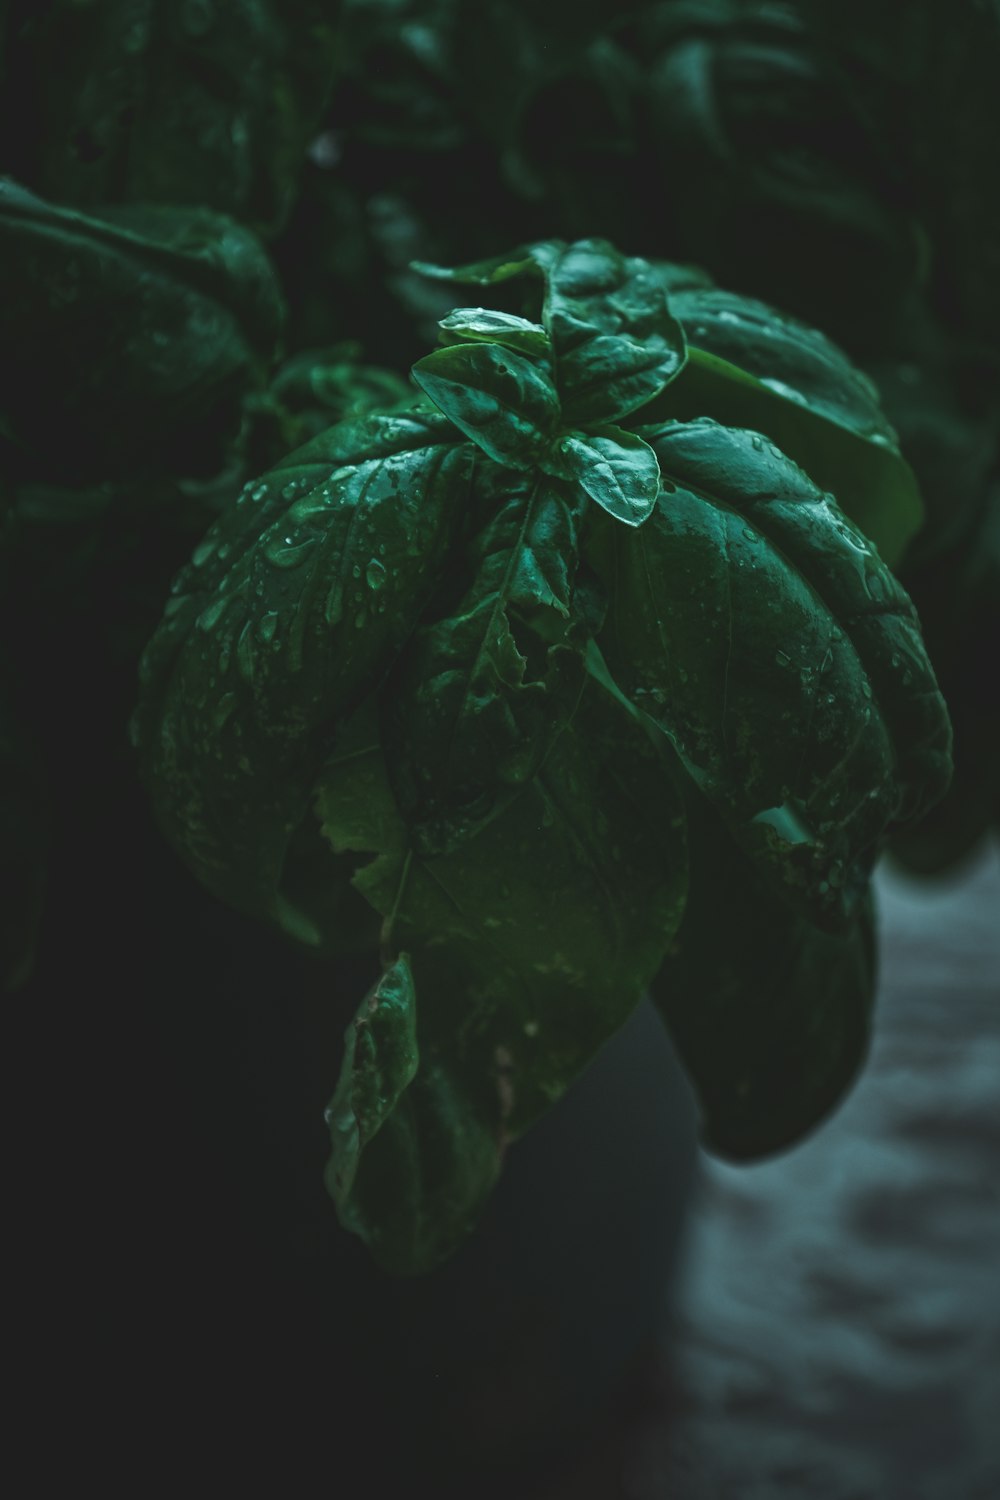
519,262
481,324
504,402
380,1061
761,631
615,468
617,344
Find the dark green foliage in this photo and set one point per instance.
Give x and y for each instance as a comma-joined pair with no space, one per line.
773,1023
538,653
167,101
489,644
159,320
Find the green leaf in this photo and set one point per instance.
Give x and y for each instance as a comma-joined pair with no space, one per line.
519,262
751,366
615,468
134,334
481,324
761,631
291,611
617,344
504,402
380,1061
772,1024
410,1164
530,944
478,696
150,101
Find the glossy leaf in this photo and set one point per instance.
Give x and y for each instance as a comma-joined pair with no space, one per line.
480,323
292,609
617,469
615,341
146,100
762,632
617,344
505,403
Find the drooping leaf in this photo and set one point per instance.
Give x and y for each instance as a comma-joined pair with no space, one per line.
530,944
291,611
763,633
772,1023
380,1061
617,469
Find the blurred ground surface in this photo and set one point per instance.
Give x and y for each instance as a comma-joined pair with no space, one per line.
838,1332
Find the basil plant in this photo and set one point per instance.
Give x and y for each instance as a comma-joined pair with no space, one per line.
583,674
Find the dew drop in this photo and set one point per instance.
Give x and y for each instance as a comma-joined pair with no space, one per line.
211,616
288,552
267,626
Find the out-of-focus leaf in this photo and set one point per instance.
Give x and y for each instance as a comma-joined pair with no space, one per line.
196,102
134,335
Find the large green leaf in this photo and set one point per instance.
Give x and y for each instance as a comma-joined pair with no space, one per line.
763,633
291,611
479,694
750,365
133,335
530,944
770,1016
